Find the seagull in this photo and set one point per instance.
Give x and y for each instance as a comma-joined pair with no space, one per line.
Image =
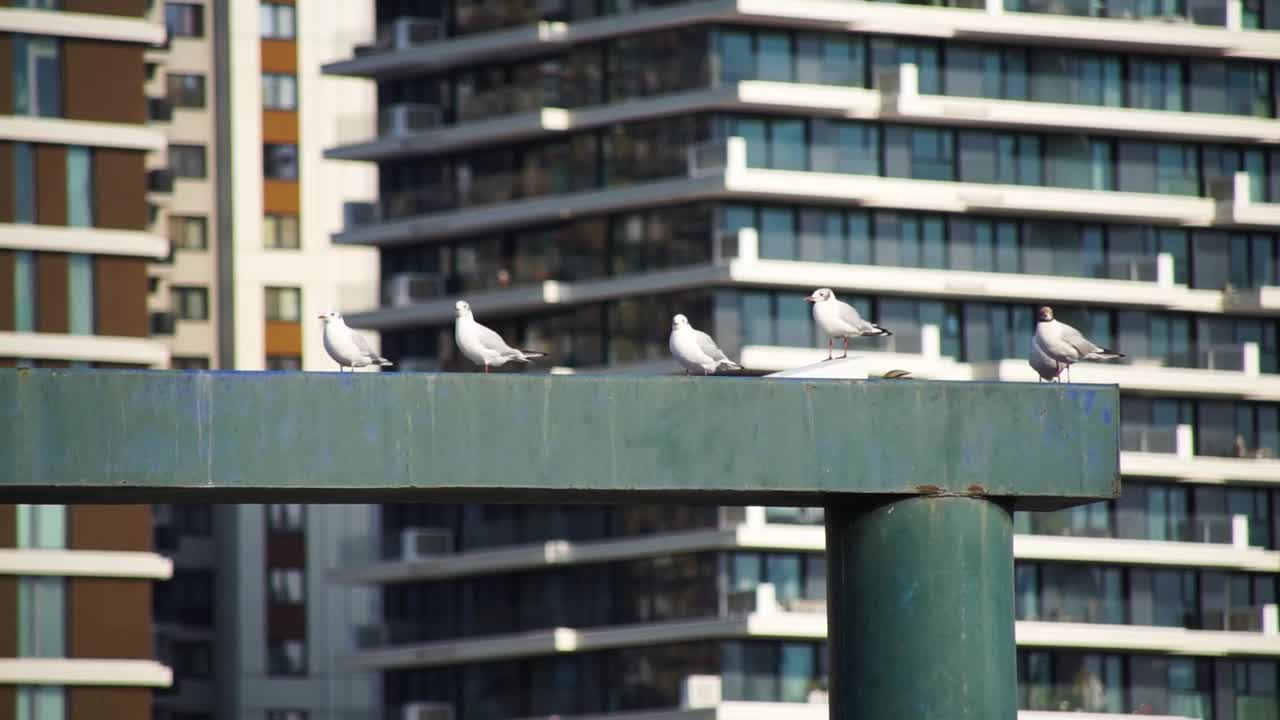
695,350
1044,365
1064,345
483,346
840,320
347,347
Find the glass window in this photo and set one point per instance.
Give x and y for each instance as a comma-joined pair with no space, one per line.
280,161
37,76
279,91
24,182
797,672
187,161
185,90
41,702
42,617
284,517
188,232
79,186
283,304
41,526
184,19
80,294
287,657
286,586
774,56
276,20
24,291
280,232
190,303
283,363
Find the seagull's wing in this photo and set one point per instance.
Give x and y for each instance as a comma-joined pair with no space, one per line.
362,344
1082,345
848,314
708,346
492,340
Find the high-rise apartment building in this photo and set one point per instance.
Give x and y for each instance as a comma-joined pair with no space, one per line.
76,234
75,612
251,200
582,170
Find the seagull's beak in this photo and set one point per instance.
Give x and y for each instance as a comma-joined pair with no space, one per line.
811,299
319,317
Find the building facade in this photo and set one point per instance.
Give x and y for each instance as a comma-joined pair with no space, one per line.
75,612
580,171
251,200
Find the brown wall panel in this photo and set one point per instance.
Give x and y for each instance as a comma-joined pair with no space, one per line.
117,703
286,550
103,81
109,618
6,71
7,209
120,296
51,184
283,338
6,298
53,363
8,693
8,528
51,293
287,622
280,196
279,56
8,616
120,366
131,8
110,527
119,189
8,362
279,126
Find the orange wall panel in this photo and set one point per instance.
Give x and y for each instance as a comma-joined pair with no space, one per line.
280,196
279,126
279,56
283,338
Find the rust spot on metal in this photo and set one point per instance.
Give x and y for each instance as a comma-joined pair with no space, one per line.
928,489
977,490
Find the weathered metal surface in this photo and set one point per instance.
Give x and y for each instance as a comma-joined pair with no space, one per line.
106,435
921,610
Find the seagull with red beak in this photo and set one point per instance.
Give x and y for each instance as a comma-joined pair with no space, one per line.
840,320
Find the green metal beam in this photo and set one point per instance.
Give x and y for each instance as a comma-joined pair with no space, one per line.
113,435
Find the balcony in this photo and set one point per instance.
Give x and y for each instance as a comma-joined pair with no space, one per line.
403,119
403,33
160,181
159,110
990,24
162,323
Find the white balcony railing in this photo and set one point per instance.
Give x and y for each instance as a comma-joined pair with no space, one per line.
409,288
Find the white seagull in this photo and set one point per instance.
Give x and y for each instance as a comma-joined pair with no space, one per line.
1064,345
840,320
1044,365
347,347
483,346
695,350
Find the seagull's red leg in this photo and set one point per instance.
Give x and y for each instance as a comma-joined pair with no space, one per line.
846,348
830,349
486,368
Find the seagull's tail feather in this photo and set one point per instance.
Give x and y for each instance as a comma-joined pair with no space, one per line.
1103,354
728,365
527,355
383,361
879,332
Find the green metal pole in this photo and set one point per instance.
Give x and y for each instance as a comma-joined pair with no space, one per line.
920,609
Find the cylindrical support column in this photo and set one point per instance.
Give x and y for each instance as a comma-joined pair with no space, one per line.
920,609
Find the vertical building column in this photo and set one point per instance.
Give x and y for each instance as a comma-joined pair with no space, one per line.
920,609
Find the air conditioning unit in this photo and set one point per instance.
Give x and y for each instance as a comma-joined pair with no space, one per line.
700,691
427,711
424,543
410,287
